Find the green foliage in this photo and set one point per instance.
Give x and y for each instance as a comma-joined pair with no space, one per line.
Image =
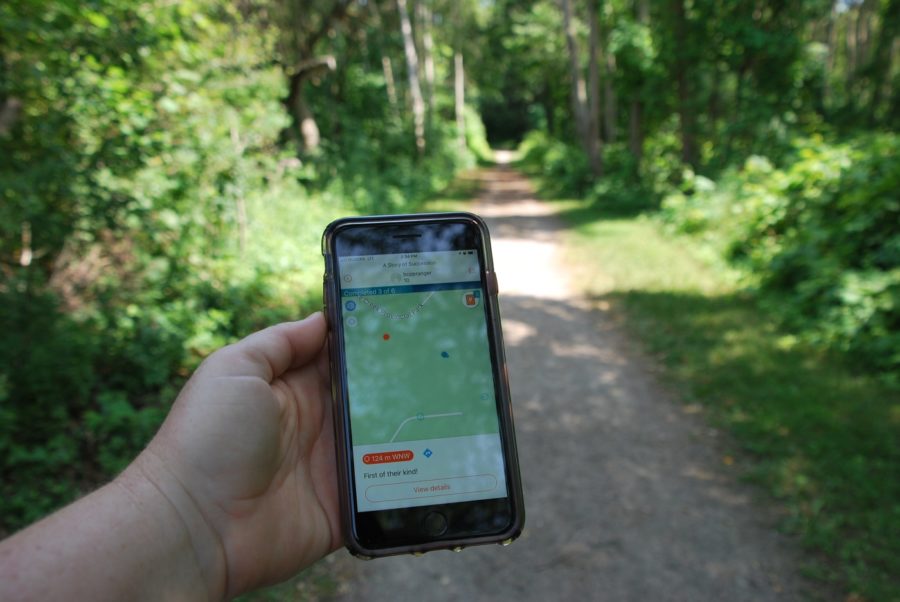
476,136
627,188
117,428
153,208
367,177
816,235
562,167
520,71
819,235
563,170
141,132
47,361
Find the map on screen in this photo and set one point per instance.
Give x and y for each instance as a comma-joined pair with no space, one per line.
423,412
418,365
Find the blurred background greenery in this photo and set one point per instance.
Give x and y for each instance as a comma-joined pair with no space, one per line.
166,170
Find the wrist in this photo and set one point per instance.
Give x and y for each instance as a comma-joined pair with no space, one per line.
194,541
137,538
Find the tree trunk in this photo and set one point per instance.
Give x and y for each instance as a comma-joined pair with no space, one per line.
239,200
549,106
610,111
643,12
27,253
579,94
635,130
858,50
738,125
879,67
863,35
299,43
636,109
594,91
851,45
609,93
714,101
427,51
687,119
309,129
412,68
831,46
863,26
304,121
389,80
459,89
10,109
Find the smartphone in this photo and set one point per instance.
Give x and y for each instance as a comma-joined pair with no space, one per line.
424,433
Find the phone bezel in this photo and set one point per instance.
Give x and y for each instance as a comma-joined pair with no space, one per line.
400,530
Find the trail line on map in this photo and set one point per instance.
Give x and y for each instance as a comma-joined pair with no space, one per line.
422,417
400,316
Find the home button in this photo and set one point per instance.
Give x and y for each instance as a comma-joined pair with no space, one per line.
435,524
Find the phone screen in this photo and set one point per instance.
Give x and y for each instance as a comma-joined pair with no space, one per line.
422,397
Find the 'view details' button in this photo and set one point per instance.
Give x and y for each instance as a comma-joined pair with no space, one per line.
438,487
388,457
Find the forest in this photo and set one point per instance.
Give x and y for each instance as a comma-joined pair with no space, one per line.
167,168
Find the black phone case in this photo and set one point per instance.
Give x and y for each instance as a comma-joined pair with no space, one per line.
341,415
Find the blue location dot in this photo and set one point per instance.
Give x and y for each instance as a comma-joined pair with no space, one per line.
427,453
444,354
350,305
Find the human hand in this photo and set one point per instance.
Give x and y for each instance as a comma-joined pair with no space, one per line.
246,457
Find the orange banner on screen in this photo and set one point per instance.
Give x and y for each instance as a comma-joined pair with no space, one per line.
388,457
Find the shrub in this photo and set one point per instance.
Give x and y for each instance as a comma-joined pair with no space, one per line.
819,235
562,167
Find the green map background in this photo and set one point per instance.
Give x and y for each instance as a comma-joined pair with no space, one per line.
389,381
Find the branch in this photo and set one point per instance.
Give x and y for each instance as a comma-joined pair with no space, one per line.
313,66
338,12
9,114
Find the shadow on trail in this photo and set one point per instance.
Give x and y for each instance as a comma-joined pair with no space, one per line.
591,420
525,227
832,443
587,213
625,495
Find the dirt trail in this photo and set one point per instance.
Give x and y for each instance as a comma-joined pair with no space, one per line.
626,495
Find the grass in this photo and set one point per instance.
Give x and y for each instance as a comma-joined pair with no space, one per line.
821,438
